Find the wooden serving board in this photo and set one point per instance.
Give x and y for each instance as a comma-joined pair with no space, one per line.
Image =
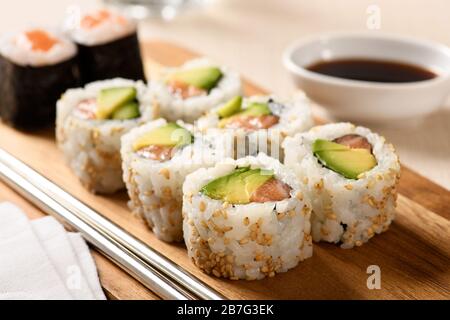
414,255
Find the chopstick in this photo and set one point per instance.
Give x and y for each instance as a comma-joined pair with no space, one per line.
160,275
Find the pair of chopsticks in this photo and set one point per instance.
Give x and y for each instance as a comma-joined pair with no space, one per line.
162,276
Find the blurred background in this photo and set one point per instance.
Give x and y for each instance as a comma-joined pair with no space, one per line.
250,36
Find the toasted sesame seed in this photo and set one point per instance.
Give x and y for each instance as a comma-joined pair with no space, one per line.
246,221
305,210
226,229
319,185
165,172
332,216
281,215
243,241
202,206
167,192
372,202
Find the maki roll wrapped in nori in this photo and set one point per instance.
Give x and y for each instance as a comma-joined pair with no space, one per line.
36,67
156,159
351,176
90,123
108,47
191,90
246,219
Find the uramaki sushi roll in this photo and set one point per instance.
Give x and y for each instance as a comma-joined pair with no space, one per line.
189,91
36,66
351,176
90,123
259,123
246,219
156,159
108,46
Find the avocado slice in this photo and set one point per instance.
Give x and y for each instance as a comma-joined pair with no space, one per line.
237,186
255,109
170,134
344,160
127,111
109,100
204,78
231,107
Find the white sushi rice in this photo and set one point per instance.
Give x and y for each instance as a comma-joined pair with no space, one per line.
106,31
173,107
17,48
155,188
250,241
294,116
92,147
346,210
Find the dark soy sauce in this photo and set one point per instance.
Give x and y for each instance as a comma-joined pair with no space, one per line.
372,70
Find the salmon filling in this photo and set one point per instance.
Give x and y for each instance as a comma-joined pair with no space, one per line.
252,122
86,109
354,141
94,20
39,40
272,190
155,152
185,90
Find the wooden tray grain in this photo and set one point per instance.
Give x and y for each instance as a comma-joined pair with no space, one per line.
414,255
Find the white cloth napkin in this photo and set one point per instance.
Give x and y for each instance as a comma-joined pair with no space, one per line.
39,260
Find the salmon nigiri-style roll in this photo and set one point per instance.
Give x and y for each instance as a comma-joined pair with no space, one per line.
36,66
108,46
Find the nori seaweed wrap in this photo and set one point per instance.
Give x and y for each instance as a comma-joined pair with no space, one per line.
36,67
108,46
120,58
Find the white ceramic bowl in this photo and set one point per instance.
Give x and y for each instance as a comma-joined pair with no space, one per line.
371,101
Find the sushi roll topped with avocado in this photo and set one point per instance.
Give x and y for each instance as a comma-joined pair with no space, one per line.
260,113
246,219
115,103
259,123
108,46
36,66
349,155
187,92
351,175
244,185
156,159
160,144
90,123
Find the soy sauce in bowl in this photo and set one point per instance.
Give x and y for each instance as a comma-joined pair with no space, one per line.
383,71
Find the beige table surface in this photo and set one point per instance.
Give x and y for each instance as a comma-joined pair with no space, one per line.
250,35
